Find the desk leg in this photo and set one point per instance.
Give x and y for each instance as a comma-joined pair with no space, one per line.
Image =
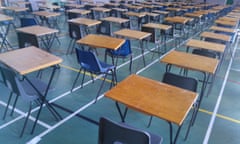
173,141
122,115
142,51
44,99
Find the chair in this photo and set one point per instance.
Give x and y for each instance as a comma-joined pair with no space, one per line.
75,34
28,22
122,52
89,62
24,89
111,132
183,82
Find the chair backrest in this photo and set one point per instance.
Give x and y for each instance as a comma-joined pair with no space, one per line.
180,81
88,61
111,132
72,15
8,76
26,40
74,31
124,50
206,53
28,22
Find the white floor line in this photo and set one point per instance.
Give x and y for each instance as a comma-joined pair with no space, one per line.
36,139
22,115
212,121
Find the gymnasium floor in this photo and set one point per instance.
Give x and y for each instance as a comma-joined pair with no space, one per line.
222,102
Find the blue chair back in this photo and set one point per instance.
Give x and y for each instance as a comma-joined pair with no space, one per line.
180,81
111,132
88,61
124,50
27,22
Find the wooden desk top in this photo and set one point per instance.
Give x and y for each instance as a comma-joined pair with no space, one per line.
218,36
180,20
161,12
49,6
15,9
79,11
46,14
206,45
194,15
191,61
223,29
101,9
112,4
101,41
134,34
5,18
225,22
136,14
225,18
173,9
154,98
30,59
85,21
115,19
158,26
37,30
74,5
119,9
151,14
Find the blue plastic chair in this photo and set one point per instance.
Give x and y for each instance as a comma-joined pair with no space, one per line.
111,132
89,62
75,34
28,22
122,52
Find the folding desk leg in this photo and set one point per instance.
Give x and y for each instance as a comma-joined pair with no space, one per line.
122,115
43,99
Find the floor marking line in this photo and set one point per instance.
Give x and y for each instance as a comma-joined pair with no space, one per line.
212,121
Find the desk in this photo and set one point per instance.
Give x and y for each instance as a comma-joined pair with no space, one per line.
163,28
45,16
84,24
112,20
135,17
15,11
28,60
208,66
222,29
206,45
79,12
101,41
44,33
99,12
4,33
153,98
222,37
134,34
226,23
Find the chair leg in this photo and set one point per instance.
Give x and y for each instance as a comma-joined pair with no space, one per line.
75,81
26,120
70,46
6,109
14,105
150,121
191,121
130,65
99,90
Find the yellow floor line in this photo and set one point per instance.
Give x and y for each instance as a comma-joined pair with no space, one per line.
221,116
87,73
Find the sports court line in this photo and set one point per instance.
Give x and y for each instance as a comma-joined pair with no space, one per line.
221,116
212,121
